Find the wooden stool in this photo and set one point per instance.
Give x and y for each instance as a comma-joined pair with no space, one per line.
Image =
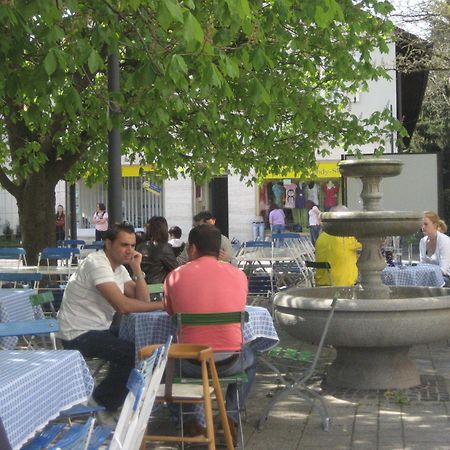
192,393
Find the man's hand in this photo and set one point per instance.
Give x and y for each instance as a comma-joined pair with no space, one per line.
135,262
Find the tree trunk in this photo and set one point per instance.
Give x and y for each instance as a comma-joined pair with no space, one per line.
36,205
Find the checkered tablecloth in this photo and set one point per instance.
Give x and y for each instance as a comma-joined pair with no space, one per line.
35,386
154,328
420,275
15,306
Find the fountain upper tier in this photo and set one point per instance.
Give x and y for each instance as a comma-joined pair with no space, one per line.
372,221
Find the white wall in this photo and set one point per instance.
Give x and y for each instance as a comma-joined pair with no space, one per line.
241,208
178,204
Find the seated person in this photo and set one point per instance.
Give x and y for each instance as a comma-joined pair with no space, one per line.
226,249
101,286
434,247
341,253
206,285
158,258
175,240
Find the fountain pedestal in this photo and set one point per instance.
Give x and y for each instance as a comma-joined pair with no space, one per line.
374,368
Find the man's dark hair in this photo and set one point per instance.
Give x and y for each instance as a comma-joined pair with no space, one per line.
175,231
202,217
207,240
157,229
116,228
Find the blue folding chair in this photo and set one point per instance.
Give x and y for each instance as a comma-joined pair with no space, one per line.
56,436
25,279
72,243
39,327
14,253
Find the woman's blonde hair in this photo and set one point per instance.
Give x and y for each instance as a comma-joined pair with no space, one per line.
434,218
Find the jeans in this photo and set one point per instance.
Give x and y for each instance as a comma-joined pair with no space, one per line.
314,231
246,362
104,344
258,231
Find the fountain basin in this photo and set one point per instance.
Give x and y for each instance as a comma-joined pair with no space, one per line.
370,223
372,338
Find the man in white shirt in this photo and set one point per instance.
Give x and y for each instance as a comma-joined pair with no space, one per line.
99,288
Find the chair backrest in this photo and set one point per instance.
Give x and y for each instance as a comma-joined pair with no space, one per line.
42,298
18,277
73,243
55,253
143,385
321,265
14,253
155,288
214,318
22,277
258,244
29,327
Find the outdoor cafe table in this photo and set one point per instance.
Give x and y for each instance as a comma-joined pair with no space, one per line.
420,275
155,327
14,307
35,386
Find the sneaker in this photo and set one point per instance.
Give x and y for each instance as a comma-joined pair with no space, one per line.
107,418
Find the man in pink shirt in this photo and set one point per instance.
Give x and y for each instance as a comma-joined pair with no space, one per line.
206,285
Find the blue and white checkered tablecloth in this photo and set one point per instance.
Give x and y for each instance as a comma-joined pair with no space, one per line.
35,386
420,275
154,328
15,306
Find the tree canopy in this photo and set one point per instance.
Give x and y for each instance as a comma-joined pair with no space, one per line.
205,85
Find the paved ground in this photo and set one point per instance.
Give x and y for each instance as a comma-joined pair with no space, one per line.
416,418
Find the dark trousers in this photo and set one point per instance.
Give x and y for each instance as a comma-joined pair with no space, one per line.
111,392
99,235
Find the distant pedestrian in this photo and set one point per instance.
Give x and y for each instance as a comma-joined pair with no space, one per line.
277,219
60,223
314,220
175,240
100,220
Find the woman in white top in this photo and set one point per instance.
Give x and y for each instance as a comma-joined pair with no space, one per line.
314,221
434,247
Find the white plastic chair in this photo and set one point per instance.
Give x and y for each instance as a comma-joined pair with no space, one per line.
143,384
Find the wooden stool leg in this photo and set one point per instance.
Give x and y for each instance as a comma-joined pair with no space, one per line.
221,406
208,408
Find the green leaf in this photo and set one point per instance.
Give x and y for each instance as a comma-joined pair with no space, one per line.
50,63
95,62
175,10
193,32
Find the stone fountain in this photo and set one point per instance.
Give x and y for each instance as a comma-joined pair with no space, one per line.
374,325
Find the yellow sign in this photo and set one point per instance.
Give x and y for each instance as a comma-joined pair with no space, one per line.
325,170
135,171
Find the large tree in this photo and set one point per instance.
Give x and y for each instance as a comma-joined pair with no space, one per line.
206,85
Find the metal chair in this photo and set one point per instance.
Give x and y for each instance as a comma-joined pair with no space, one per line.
56,436
31,328
299,385
44,298
25,279
156,291
143,385
313,266
16,254
72,243
218,319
